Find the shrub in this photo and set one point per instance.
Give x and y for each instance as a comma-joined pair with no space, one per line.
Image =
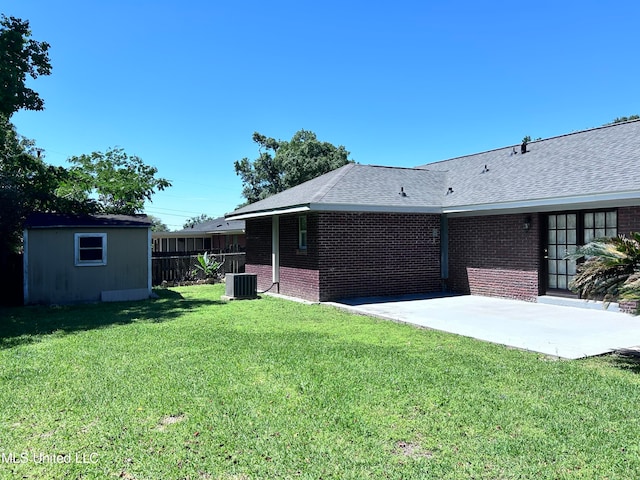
611,269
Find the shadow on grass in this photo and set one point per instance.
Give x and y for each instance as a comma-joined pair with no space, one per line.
22,325
626,359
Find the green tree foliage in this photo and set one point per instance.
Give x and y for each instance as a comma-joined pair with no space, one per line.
611,269
157,225
27,184
112,182
624,119
20,56
193,221
285,164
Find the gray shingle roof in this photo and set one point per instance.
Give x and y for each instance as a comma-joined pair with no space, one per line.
217,225
54,220
591,162
360,186
604,160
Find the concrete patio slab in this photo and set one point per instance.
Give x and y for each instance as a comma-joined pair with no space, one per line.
560,331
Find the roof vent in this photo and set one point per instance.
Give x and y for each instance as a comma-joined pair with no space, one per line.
450,191
523,147
485,169
402,193
513,152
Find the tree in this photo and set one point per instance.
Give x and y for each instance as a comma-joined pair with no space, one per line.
27,184
285,164
623,119
193,221
20,56
157,225
611,269
112,182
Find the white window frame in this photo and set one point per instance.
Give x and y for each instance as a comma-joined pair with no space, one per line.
302,233
89,263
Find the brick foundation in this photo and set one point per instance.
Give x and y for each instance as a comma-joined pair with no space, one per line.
629,306
516,284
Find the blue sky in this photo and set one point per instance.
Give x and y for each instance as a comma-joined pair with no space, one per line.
184,85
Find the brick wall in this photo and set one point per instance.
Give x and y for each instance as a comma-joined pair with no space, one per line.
258,252
349,254
299,276
516,284
368,254
494,255
628,220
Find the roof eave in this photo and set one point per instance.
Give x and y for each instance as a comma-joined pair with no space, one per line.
603,200
338,207
196,233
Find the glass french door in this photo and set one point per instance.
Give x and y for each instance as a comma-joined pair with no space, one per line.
562,239
564,233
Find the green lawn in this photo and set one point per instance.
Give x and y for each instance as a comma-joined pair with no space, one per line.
189,387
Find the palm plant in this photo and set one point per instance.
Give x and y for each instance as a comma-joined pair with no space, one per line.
611,270
208,265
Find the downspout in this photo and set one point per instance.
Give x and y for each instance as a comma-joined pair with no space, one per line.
275,251
444,252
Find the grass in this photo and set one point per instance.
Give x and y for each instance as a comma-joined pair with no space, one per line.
189,387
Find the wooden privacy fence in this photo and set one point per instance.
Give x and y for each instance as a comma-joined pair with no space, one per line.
182,268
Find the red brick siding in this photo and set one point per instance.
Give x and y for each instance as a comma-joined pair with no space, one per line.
629,306
516,284
264,276
495,255
349,255
299,283
258,238
628,220
366,254
298,268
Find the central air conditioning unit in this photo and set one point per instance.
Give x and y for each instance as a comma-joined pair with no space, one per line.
241,286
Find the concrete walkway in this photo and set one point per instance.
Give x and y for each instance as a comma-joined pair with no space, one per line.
560,331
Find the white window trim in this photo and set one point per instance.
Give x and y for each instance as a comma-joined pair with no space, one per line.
89,263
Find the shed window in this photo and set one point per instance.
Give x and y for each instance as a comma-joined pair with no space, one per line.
90,249
302,232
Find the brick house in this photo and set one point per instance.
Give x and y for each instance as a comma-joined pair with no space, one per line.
217,235
497,223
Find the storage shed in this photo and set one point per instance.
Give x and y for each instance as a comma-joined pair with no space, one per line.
89,258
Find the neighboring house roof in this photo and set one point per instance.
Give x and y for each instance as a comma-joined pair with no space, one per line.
58,220
593,167
219,226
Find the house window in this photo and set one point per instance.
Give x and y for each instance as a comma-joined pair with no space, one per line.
302,232
600,224
90,249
